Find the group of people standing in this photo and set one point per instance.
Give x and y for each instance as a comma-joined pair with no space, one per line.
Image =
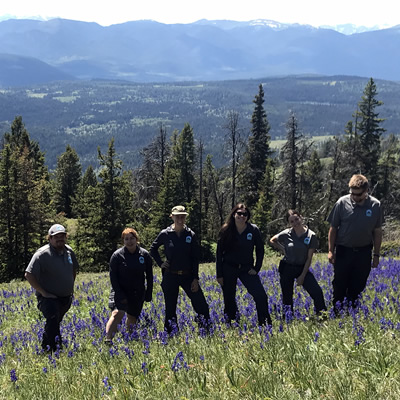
356,228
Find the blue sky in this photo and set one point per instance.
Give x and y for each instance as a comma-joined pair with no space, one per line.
369,13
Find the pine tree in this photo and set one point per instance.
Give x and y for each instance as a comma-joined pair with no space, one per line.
24,200
67,178
148,178
292,156
234,146
369,129
107,208
263,210
257,153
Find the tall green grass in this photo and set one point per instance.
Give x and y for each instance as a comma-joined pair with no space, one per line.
354,356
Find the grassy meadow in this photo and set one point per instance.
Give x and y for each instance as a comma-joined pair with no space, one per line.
353,356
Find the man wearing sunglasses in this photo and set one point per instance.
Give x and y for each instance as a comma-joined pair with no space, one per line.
356,228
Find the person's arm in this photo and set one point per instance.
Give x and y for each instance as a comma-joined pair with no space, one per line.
195,253
377,237
218,264
259,244
36,285
331,244
75,265
300,278
114,278
154,249
276,244
149,279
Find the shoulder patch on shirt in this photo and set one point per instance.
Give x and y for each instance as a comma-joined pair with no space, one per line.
368,213
141,260
188,239
249,236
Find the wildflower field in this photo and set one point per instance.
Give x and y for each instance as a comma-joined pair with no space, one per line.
353,356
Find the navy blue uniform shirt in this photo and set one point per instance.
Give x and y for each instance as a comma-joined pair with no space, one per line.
182,251
242,251
128,270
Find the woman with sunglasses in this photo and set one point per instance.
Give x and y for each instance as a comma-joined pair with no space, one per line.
235,249
298,244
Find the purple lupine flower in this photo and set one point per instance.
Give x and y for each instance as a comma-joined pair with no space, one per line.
107,384
13,376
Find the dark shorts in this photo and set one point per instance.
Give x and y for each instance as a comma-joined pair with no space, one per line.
133,306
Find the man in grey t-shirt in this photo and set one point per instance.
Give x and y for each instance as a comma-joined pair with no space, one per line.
51,272
356,228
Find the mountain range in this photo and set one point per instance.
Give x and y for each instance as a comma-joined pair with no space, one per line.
33,51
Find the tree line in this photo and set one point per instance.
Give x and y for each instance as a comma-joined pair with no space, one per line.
98,203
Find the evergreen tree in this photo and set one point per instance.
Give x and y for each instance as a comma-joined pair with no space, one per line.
292,156
263,210
389,170
24,200
148,178
89,180
67,178
257,153
369,129
107,209
179,184
235,146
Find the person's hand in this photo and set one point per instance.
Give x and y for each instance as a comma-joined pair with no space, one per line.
252,271
331,258
300,280
195,285
220,281
375,261
165,265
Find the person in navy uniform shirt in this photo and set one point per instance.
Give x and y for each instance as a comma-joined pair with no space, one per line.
237,240
130,266
180,268
298,244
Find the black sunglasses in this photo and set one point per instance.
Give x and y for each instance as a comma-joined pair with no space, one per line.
241,213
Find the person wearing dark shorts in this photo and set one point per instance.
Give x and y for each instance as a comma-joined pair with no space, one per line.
298,244
237,240
180,269
51,272
130,268
356,229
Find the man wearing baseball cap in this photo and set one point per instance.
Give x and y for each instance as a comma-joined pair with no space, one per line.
51,272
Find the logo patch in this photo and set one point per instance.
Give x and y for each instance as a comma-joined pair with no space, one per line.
368,213
307,240
69,258
141,260
188,239
249,236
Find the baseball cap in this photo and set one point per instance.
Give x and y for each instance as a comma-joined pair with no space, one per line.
56,229
178,210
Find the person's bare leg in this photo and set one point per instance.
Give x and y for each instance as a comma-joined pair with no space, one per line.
130,322
112,324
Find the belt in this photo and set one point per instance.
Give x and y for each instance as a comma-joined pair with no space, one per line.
356,249
180,272
238,266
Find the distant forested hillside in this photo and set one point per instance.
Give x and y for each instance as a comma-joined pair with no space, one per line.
87,114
